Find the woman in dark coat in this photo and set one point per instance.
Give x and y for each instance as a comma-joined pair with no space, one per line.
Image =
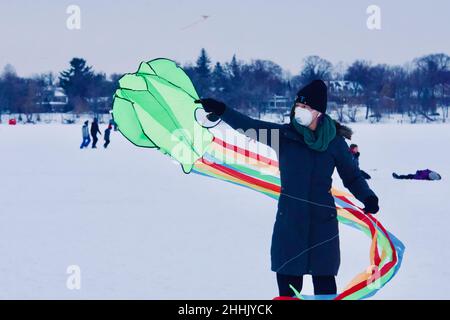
306,236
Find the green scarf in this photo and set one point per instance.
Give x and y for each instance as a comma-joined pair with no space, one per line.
320,138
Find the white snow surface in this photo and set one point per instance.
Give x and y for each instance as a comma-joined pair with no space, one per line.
139,228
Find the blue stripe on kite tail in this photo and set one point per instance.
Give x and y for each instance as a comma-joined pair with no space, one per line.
319,297
400,248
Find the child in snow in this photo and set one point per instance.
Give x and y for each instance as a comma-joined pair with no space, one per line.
107,135
85,135
426,174
355,153
113,123
305,237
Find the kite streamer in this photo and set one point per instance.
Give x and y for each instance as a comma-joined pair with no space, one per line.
155,108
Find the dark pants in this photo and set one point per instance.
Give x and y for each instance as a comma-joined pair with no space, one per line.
406,176
106,143
322,284
94,141
85,142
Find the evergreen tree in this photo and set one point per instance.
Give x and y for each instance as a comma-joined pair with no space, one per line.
234,70
76,82
219,81
203,74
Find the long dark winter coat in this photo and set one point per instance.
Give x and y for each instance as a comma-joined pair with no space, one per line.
306,236
95,129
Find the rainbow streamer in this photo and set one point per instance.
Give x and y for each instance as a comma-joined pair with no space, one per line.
243,167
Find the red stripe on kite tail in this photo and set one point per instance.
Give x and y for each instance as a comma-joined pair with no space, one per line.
373,231
242,176
358,214
343,198
351,290
365,218
394,251
245,152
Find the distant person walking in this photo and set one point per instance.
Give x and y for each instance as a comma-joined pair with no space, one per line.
85,134
107,136
94,130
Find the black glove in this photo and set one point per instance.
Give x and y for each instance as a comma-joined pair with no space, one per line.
212,106
371,205
365,175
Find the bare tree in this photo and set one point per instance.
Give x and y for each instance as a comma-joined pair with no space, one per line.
431,72
314,67
352,111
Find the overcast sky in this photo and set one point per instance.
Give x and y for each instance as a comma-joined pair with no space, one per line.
116,35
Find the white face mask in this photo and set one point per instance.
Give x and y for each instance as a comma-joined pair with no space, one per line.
303,116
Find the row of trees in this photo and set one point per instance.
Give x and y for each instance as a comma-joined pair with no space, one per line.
420,87
19,95
83,91
417,88
243,85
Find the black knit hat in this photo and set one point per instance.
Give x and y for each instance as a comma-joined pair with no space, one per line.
314,95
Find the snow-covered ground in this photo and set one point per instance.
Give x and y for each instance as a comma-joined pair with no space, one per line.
140,228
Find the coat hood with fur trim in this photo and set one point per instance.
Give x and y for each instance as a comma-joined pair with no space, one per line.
344,131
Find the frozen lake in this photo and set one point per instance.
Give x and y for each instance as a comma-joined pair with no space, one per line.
138,227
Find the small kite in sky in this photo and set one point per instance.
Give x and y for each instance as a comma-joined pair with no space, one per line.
193,24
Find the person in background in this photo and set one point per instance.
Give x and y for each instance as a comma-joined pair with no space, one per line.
355,153
94,130
426,174
107,136
85,135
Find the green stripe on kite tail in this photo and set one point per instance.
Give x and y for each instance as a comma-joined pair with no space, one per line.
246,169
210,174
296,292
